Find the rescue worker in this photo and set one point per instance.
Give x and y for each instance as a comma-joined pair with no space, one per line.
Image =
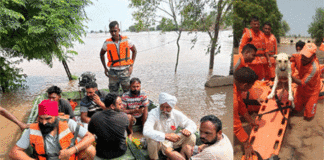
244,79
118,54
247,56
299,46
309,81
256,37
52,138
271,47
322,46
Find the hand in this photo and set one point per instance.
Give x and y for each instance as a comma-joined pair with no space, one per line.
248,150
130,70
106,72
172,137
138,110
96,99
185,132
24,126
270,65
65,154
201,147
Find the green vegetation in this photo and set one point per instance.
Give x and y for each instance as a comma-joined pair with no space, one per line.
266,10
316,28
38,29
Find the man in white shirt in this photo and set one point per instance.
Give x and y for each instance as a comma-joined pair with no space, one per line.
216,144
161,129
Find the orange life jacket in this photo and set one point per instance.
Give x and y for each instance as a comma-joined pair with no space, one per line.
258,42
322,47
119,57
37,142
73,104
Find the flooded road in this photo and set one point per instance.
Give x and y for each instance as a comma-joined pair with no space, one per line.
303,140
154,65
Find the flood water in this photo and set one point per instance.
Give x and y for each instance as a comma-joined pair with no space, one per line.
154,65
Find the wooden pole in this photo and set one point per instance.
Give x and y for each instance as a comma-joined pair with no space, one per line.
67,70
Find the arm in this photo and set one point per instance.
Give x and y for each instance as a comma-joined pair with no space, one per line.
12,118
148,129
296,80
84,117
134,52
103,61
239,132
244,41
186,123
18,153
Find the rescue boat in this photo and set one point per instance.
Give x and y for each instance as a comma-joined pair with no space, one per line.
135,150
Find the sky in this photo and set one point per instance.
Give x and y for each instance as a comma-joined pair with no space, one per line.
101,11
299,14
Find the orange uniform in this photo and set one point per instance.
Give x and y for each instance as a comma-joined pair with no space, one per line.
240,63
271,47
258,40
307,93
239,109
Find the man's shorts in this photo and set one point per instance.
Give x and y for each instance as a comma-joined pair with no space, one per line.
117,78
307,102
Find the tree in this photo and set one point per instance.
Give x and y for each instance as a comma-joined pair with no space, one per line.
266,10
197,19
39,29
285,27
316,28
147,12
132,28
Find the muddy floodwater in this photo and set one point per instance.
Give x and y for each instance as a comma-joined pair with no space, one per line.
154,65
303,140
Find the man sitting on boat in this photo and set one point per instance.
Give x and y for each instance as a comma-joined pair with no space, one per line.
53,139
109,126
135,104
54,94
215,145
92,102
244,79
247,56
309,81
161,129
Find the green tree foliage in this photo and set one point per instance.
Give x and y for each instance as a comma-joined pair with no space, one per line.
285,28
196,18
147,11
40,29
132,28
316,28
266,10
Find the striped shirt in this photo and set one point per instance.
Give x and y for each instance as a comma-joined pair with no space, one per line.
133,102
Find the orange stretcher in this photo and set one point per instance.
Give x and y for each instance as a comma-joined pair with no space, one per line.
272,118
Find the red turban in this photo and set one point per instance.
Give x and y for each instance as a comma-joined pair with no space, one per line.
48,107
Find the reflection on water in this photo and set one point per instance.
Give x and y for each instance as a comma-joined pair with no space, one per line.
154,65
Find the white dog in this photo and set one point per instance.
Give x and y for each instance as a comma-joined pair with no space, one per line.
283,74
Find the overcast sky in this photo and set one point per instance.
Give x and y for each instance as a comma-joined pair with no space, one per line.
299,14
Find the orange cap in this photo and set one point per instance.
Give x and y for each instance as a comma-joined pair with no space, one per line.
308,50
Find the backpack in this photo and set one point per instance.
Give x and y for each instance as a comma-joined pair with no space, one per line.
86,77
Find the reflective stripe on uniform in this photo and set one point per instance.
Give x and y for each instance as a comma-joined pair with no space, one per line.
311,75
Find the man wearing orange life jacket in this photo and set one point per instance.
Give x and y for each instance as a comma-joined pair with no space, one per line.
247,56
52,139
299,46
244,79
309,81
256,37
271,47
119,62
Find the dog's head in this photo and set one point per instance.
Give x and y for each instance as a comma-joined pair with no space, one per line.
282,61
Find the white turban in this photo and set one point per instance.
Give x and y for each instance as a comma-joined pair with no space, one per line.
165,97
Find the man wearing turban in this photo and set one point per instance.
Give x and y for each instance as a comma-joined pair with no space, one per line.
53,139
167,128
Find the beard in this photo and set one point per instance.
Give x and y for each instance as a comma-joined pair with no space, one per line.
209,142
48,127
165,115
135,92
